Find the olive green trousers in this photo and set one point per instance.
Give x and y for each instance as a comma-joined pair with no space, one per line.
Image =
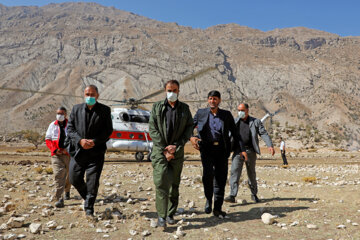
167,176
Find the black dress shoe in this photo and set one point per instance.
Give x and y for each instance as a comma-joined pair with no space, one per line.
255,198
60,203
208,208
230,199
161,222
218,213
89,212
67,196
170,220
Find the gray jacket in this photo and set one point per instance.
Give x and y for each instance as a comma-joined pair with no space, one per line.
256,128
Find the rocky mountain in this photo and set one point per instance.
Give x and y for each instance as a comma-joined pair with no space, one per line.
313,76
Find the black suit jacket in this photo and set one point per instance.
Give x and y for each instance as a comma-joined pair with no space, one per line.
228,126
99,129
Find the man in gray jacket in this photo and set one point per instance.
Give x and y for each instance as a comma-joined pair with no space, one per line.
249,128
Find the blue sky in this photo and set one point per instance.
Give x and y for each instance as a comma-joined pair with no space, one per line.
336,16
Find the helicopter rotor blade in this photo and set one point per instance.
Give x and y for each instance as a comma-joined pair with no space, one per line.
55,94
42,92
261,104
187,78
279,111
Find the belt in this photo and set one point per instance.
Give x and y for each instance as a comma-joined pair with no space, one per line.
217,143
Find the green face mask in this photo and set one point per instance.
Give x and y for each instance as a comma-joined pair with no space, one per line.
90,101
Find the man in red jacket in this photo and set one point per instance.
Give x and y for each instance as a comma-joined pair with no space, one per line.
55,137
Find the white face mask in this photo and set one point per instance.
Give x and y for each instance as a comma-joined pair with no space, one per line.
241,114
60,117
171,96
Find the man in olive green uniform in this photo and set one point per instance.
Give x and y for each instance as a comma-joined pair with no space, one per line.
170,127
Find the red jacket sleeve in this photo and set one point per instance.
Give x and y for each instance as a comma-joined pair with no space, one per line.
51,145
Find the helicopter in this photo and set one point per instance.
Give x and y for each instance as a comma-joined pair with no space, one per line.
130,121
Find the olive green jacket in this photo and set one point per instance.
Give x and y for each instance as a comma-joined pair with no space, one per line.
157,129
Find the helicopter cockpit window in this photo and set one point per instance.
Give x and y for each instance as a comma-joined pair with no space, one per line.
134,118
124,117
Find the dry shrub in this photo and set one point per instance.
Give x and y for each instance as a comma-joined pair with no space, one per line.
309,179
39,169
49,170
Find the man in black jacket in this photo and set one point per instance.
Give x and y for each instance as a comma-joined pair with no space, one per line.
89,128
249,128
213,126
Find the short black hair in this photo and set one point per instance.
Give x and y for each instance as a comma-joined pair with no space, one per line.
246,105
93,87
62,108
214,93
172,82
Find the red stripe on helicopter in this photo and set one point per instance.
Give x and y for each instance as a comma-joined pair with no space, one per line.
124,135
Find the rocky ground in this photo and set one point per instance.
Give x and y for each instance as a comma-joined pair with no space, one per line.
316,197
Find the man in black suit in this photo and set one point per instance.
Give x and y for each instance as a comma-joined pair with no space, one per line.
89,128
213,126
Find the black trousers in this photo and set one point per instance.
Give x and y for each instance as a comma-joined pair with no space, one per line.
284,157
88,190
215,169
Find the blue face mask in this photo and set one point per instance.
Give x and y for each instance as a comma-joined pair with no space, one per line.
90,101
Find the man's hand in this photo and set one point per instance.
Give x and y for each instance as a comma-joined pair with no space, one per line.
272,151
60,152
168,155
87,143
194,141
171,149
245,156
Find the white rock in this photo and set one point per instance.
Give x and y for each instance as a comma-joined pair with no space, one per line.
294,223
51,224
180,232
10,236
146,233
7,197
9,207
355,224
35,227
341,226
3,226
191,204
106,235
153,223
21,236
59,227
72,225
241,201
47,213
311,226
268,219
16,222
133,232
99,230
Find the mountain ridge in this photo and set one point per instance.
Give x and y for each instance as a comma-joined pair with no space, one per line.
62,47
